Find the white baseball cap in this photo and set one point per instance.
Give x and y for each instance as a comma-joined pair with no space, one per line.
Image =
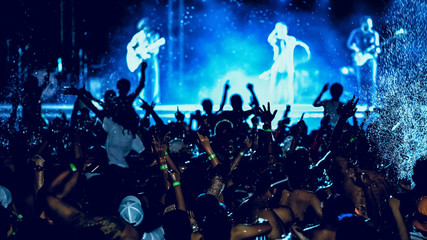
130,210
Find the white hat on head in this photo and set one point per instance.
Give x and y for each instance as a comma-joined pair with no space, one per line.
130,210
5,196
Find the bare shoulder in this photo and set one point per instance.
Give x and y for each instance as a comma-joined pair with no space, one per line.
323,234
285,214
304,194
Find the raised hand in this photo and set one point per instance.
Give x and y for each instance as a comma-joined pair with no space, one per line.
146,106
301,124
265,114
248,143
325,88
227,85
203,140
250,87
349,109
179,115
160,145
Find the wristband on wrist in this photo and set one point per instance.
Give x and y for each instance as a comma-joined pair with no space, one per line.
176,183
242,154
212,156
163,167
268,130
73,167
166,153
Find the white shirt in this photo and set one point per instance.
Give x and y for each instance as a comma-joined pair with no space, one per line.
330,108
119,143
156,234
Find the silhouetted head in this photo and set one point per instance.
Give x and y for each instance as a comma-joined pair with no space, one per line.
207,106
177,225
224,128
31,83
211,218
127,118
281,28
336,90
123,85
109,96
263,183
366,23
142,24
236,102
420,170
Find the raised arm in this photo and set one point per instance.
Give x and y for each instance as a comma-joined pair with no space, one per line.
394,204
348,110
317,101
254,103
141,84
204,141
176,183
56,207
296,138
248,143
267,117
150,109
306,48
224,96
99,114
38,162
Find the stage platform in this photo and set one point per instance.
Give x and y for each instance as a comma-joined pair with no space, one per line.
312,115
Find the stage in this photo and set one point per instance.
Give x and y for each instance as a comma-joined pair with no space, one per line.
207,43
312,115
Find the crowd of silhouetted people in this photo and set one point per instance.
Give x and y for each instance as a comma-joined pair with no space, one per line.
108,173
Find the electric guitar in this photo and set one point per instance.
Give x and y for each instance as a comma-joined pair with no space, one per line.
361,57
134,58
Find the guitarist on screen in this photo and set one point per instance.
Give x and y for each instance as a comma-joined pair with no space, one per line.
144,46
365,42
